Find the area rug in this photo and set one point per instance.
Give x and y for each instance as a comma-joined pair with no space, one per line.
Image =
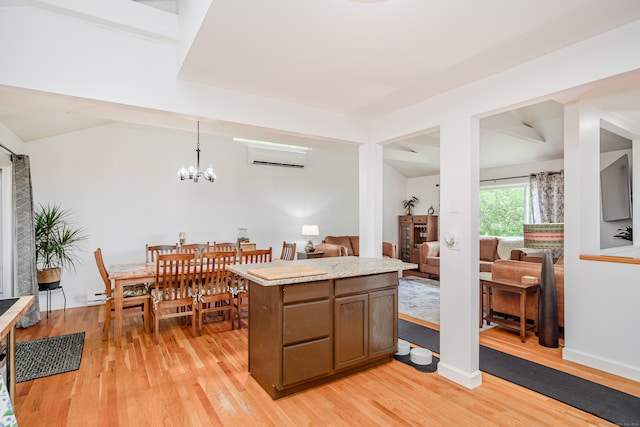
419,298
604,402
48,356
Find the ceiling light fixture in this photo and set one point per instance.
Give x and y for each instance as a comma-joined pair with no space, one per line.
194,172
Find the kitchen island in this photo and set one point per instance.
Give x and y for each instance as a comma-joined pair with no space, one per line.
314,320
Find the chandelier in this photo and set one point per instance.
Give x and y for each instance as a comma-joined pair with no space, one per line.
194,173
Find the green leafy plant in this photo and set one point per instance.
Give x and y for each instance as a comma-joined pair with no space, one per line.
57,239
409,204
625,233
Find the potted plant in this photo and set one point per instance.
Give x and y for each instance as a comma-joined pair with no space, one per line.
625,233
409,204
57,241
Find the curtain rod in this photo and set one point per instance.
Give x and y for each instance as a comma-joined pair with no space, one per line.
515,177
6,149
501,179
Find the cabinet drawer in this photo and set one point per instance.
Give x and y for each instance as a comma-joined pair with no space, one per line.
354,285
305,292
305,361
306,321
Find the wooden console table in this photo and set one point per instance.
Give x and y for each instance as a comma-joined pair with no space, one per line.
8,321
487,286
310,255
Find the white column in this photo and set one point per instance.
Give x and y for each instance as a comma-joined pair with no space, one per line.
370,177
459,279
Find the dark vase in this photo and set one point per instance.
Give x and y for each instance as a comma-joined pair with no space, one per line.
548,304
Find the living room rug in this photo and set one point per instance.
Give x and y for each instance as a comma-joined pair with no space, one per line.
48,356
420,298
604,402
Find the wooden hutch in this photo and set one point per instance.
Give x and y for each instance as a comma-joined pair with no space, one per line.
415,230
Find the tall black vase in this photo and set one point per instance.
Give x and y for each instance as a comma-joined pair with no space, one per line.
548,304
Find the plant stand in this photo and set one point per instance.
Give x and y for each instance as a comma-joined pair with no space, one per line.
48,287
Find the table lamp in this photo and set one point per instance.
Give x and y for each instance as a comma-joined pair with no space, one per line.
310,231
546,236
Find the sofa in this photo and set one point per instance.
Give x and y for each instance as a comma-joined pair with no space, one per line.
508,303
350,246
528,255
429,261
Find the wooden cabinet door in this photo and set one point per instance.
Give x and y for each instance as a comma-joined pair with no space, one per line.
351,334
404,236
383,322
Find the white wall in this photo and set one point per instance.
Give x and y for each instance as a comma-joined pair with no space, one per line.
394,192
121,182
427,190
601,298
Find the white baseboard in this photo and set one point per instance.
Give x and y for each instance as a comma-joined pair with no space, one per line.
603,364
465,379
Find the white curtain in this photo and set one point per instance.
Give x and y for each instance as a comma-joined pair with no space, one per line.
26,279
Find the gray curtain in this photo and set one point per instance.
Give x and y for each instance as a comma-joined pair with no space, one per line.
547,197
26,280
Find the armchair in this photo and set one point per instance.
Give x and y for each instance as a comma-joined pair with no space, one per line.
429,261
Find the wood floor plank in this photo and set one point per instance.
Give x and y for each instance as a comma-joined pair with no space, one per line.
203,380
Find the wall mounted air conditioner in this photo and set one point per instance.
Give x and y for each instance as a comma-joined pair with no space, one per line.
276,157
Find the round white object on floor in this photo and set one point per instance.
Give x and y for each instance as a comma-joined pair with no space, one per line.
403,348
421,356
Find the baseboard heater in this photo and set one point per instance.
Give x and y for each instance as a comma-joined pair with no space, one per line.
96,298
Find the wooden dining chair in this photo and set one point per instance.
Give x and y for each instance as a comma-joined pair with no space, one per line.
154,250
135,303
224,246
288,251
215,281
175,290
196,248
241,290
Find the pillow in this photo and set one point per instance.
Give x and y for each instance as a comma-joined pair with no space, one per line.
342,241
355,244
488,249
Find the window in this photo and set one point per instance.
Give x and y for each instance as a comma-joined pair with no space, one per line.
503,210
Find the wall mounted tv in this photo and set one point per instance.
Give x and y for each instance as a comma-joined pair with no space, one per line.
615,187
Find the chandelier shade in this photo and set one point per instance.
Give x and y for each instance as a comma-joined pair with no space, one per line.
193,172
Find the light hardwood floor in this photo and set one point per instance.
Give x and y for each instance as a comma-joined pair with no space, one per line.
203,381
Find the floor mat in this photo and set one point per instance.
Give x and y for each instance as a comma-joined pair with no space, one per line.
604,402
48,356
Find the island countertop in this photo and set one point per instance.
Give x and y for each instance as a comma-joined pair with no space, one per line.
336,267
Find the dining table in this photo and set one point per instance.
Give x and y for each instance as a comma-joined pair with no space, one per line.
130,274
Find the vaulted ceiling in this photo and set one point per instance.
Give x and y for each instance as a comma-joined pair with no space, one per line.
363,59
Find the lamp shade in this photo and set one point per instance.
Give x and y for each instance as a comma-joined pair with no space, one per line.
310,230
544,236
